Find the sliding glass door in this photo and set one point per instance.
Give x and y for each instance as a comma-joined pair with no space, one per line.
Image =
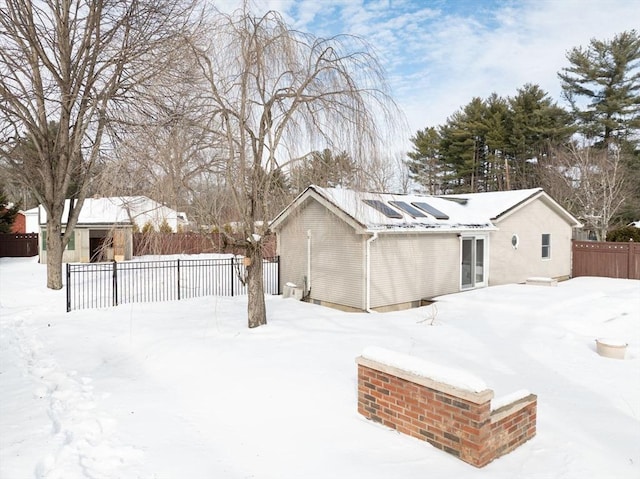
473,270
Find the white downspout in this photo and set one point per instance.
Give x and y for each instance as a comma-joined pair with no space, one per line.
367,282
308,262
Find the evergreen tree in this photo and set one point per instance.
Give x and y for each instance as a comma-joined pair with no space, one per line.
536,125
495,121
605,75
326,169
472,146
7,215
492,144
425,167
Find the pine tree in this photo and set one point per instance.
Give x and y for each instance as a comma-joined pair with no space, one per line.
536,124
472,146
326,169
425,167
605,75
7,215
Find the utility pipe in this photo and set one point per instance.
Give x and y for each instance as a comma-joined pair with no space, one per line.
367,282
308,262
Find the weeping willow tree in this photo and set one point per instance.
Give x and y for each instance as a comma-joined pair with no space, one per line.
274,96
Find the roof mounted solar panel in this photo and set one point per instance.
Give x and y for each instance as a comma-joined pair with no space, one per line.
407,208
436,213
383,208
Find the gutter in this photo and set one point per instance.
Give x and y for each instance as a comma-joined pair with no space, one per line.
367,282
308,285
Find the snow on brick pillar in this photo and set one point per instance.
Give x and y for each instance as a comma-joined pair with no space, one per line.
451,410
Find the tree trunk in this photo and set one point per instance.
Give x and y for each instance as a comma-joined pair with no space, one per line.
54,254
256,309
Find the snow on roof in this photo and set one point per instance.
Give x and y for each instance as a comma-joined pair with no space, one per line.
420,367
495,203
120,209
460,212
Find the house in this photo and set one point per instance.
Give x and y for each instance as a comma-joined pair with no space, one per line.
18,226
19,223
372,251
105,227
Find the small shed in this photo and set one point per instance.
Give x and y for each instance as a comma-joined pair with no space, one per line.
104,231
376,251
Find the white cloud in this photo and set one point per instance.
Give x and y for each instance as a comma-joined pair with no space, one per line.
438,59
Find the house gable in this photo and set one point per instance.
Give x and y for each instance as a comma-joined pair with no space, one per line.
516,248
303,199
323,254
547,200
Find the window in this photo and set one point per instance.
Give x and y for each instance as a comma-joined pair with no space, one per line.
436,213
546,246
70,246
383,208
72,242
407,208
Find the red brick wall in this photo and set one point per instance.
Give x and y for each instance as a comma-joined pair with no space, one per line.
19,224
457,422
516,427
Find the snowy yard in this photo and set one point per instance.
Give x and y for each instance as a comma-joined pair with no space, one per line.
183,390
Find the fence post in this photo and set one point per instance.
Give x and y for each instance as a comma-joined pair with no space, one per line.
115,283
178,279
232,260
278,275
68,287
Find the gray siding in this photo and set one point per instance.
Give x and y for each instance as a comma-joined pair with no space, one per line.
337,255
509,265
408,268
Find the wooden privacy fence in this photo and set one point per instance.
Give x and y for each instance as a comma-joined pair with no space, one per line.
189,243
611,260
15,245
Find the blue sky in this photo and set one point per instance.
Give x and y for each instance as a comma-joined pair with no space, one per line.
439,54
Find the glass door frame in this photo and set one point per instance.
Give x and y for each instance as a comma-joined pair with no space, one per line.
475,268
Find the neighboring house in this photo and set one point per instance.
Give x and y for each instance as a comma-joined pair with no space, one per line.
105,227
373,251
18,226
19,223
31,221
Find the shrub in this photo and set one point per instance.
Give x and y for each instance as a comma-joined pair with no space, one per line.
164,227
148,228
624,234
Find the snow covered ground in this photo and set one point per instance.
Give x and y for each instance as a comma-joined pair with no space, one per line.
184,390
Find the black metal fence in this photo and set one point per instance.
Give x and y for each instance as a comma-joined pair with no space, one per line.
101,285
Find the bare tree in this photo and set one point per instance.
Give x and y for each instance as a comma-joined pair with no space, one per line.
275,95
79,65
590,182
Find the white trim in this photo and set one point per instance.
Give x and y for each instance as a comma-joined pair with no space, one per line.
548,257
